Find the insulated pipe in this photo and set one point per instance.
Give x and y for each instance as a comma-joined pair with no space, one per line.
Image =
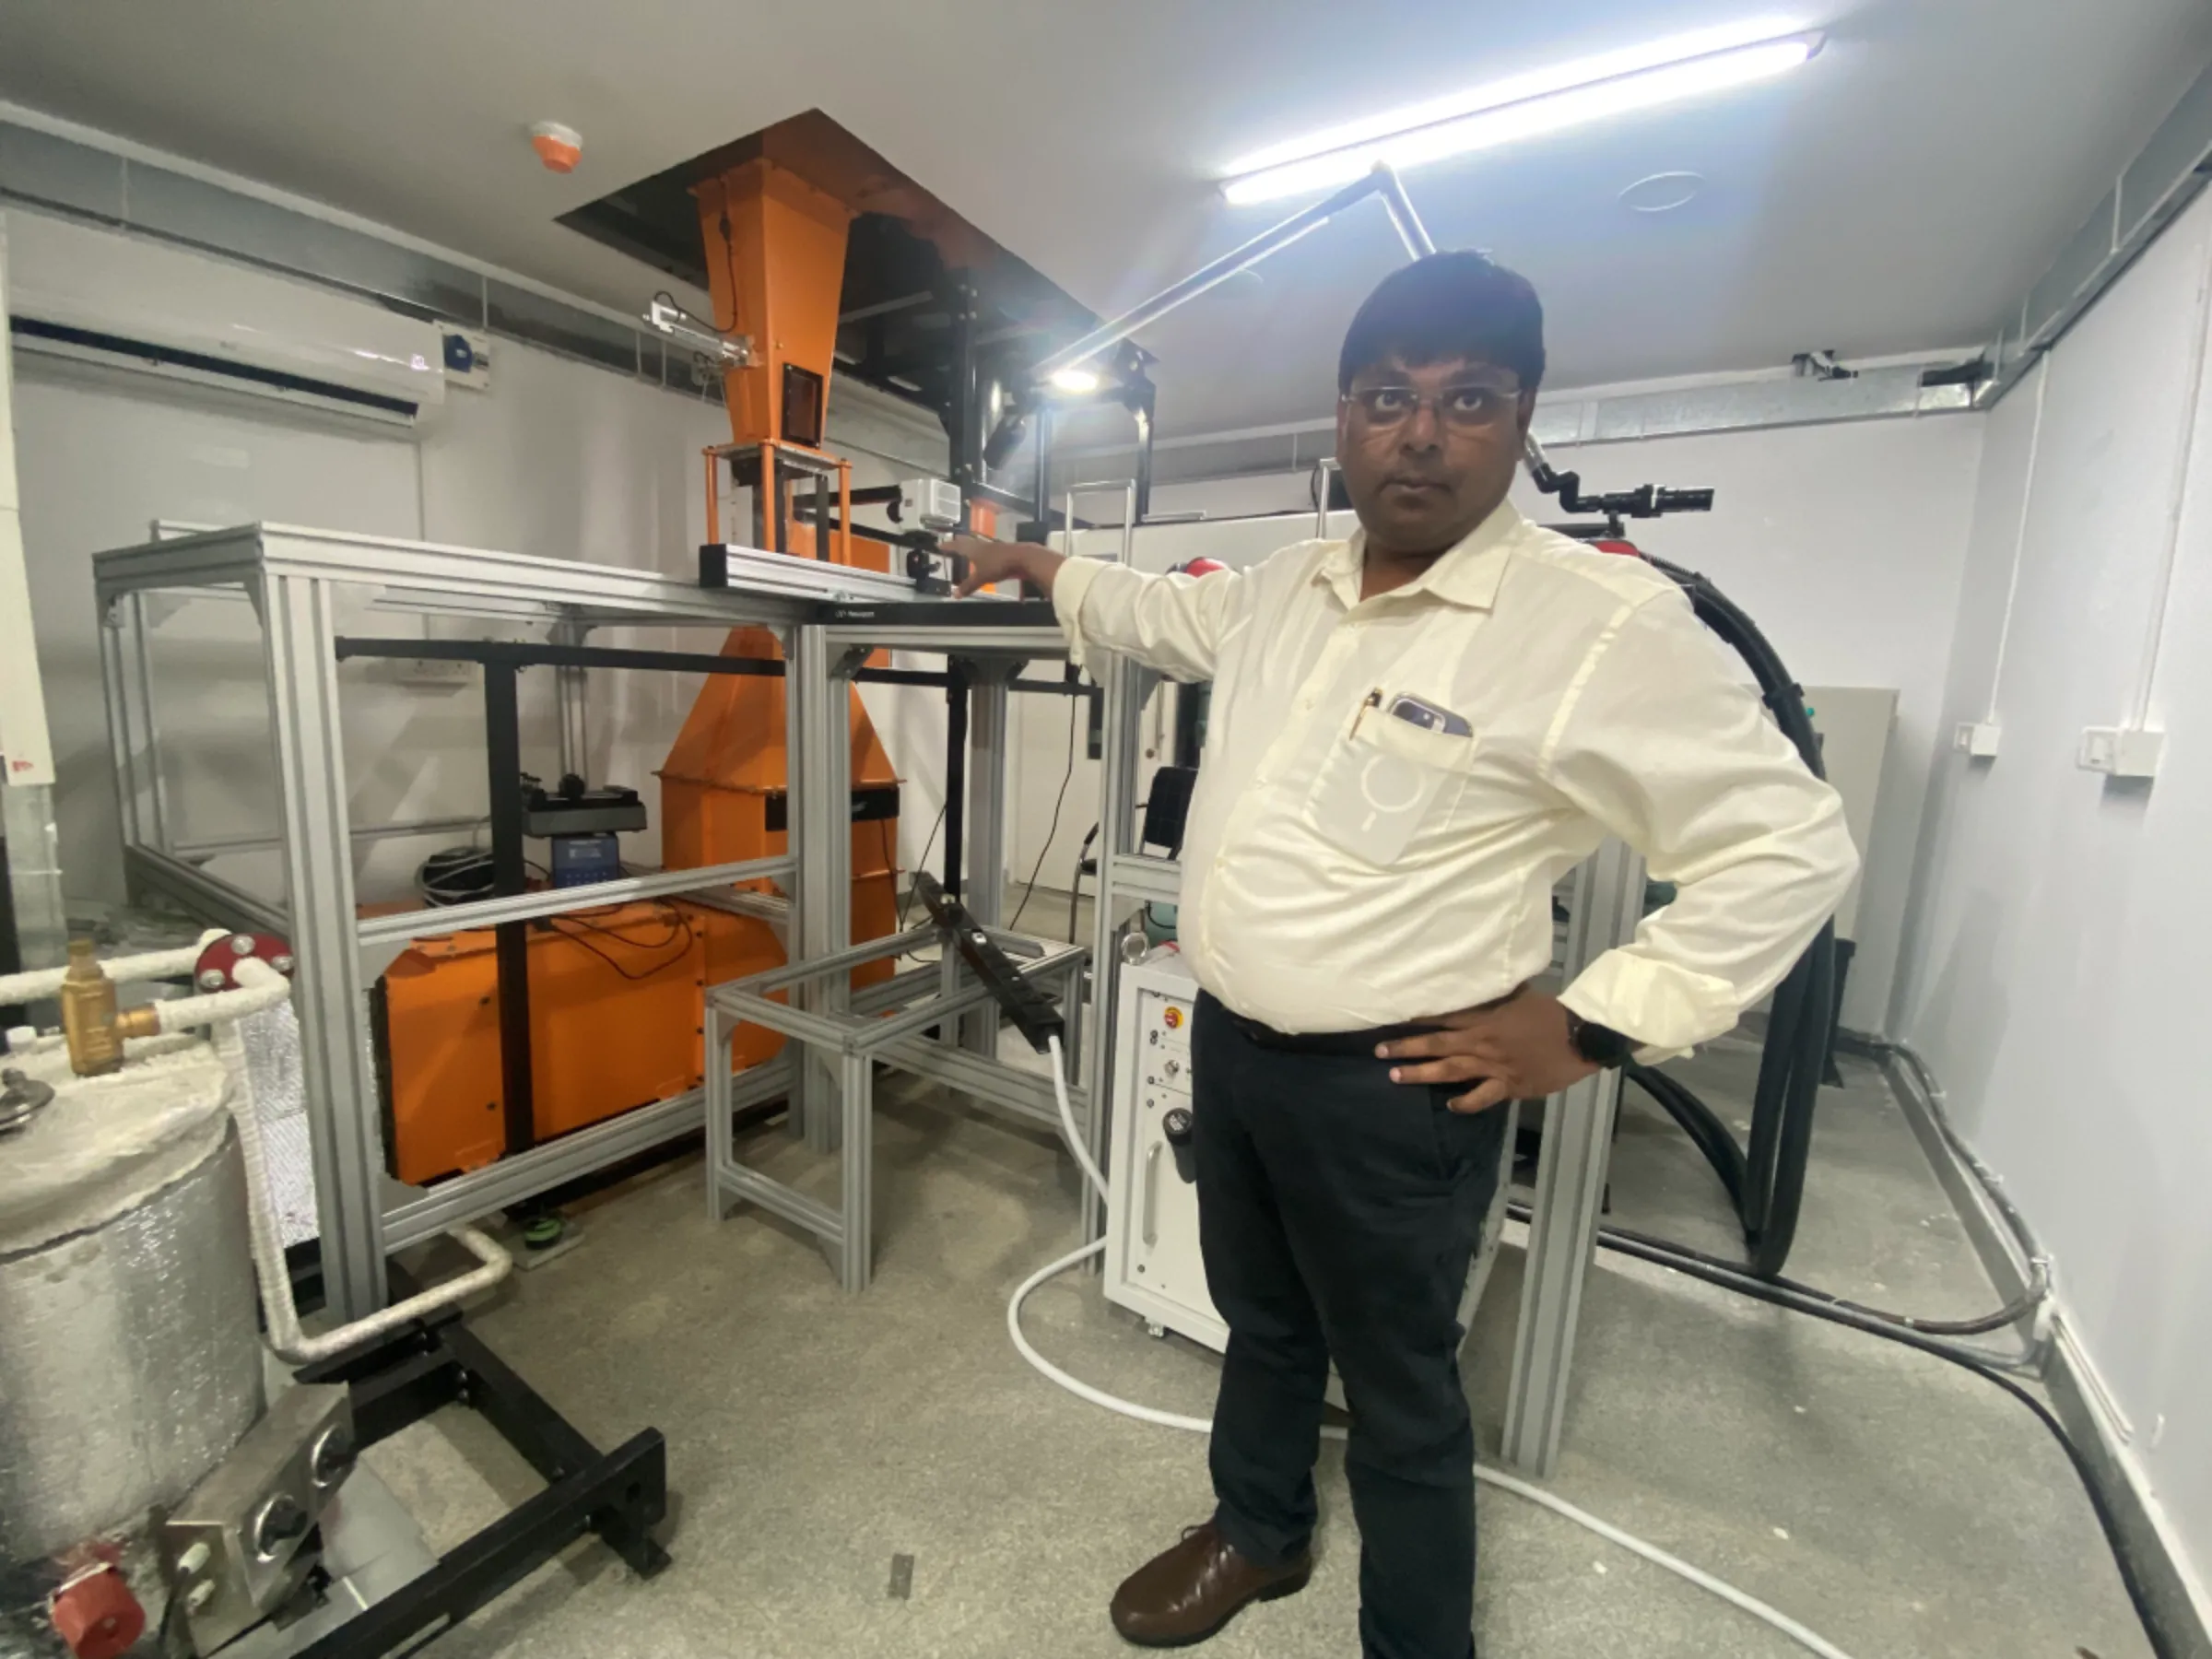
287,1341
259,986
42,983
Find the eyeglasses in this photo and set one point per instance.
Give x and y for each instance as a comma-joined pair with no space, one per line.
1464,408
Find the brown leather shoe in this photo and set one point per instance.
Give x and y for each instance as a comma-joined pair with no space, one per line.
1186,1594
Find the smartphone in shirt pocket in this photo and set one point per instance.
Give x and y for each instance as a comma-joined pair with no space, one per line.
1402,763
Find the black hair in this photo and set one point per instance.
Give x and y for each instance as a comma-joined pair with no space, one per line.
1449,305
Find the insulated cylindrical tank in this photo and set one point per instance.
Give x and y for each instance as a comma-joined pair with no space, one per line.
130,1361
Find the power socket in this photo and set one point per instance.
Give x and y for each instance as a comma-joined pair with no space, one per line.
2120,751
1977,738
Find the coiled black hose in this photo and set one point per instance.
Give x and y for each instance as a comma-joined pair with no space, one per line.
1765,1182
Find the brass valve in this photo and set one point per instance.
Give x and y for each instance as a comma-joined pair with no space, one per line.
95,1027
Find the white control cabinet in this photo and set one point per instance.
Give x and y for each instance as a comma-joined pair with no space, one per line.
1153,1267
1152,1263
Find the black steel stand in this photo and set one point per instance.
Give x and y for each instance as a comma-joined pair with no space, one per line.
621,1494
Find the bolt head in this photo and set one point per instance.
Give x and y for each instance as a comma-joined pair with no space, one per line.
334,1456
283,964
243,944
281,1521
211,979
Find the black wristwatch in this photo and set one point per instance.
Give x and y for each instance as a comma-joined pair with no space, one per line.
1601,1045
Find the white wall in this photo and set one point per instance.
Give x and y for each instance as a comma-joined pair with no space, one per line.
557,458
2060,941
1845,544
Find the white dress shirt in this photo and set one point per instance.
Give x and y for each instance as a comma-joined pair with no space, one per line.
1346,867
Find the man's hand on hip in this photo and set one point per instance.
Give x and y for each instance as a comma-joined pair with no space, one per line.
990,562
1519,1048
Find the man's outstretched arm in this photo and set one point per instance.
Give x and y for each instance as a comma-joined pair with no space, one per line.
1172,623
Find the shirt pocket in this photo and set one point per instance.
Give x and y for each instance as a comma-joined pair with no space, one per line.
1383,781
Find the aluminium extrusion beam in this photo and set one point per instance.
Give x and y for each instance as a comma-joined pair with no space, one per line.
848,1043
294,577
818,779
429,577
984,891
405,926
1127,686
1570,1183
200,894
484,1192
344,1134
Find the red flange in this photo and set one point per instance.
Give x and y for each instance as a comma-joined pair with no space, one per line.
98,1616
218,968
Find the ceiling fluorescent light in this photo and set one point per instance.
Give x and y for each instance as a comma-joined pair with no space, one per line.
1076,380
1523,107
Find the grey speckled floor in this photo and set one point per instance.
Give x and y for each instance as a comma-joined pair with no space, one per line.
1896,1505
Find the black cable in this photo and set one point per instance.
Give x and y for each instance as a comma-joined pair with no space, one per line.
1058,801
1699,1122
907,898
1766,1181
679,927
1674,1259
1074,886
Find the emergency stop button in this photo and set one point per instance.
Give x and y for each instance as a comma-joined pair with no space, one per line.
1174,1018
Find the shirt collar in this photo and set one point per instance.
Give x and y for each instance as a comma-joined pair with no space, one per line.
1468,574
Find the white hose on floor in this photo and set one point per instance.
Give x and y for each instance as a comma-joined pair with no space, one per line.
1167,1420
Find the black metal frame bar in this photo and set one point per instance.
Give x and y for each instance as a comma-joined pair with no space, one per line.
527,656
621,1494
509,876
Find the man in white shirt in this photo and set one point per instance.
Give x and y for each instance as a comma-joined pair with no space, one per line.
1413,735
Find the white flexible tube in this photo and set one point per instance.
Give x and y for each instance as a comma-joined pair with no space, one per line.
1728,1592
287,1341
42,983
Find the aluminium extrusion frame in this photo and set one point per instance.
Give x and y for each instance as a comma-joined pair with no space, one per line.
837,1035
296,579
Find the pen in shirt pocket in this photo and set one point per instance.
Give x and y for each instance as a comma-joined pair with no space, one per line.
1374,701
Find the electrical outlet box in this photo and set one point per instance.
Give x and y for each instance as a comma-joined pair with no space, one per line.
2120,751
468,360
1977,738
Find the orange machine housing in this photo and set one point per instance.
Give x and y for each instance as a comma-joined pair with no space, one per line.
616,995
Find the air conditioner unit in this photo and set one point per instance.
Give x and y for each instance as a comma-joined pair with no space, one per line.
134,304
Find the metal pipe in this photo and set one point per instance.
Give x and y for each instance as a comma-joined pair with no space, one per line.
1411,231
1238,259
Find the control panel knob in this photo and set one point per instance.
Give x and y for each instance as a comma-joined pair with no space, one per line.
1177,1128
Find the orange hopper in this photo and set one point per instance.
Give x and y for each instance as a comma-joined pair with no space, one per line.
616,993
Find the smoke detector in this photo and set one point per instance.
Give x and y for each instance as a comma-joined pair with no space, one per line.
560,147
